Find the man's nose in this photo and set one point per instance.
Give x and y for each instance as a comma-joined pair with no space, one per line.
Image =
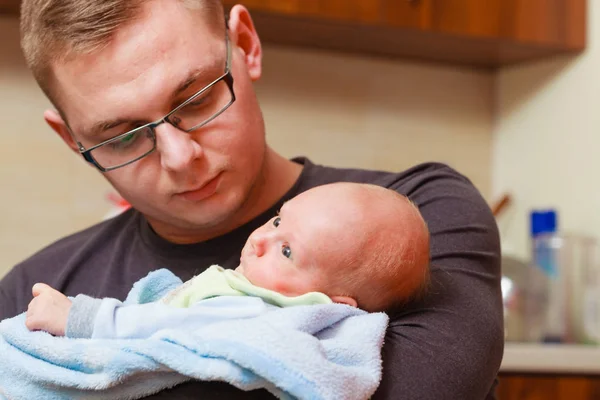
177,148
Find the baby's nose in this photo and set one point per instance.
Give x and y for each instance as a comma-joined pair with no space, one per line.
258,244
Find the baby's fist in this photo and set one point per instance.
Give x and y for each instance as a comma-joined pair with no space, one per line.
48,311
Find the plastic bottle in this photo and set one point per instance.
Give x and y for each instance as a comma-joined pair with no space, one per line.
551,286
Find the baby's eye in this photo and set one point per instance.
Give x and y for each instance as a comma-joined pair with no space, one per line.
276,222
286,251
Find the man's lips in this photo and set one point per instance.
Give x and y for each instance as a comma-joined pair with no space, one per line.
203,191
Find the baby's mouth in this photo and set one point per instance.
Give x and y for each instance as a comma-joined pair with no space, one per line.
243,258
247,251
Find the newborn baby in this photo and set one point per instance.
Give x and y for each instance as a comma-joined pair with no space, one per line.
358,244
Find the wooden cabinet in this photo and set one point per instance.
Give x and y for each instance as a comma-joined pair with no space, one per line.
9,7
476,33
488,33
559,23
547,387
354,11
406,14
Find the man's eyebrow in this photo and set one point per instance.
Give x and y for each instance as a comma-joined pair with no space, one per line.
187,83
202,72
103,126
196,74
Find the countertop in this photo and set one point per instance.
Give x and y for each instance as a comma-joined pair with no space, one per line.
550,358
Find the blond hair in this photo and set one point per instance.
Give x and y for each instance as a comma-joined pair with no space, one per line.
53,30
391,266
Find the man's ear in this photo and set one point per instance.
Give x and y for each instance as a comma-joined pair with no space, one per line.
244,36
56,122
344,300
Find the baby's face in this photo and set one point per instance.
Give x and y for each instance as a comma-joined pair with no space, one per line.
330,231
295,252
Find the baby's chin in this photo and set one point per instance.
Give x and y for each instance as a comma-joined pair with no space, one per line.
240,271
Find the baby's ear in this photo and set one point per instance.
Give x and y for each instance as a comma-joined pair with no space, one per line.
344,300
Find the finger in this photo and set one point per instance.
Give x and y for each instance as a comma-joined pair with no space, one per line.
38,288
31,323
31,305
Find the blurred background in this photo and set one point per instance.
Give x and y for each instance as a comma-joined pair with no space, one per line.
504,91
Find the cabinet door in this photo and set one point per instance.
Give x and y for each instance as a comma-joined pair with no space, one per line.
407,13
548,22
352,11
393,13
467,17
539,22
534,387
10,6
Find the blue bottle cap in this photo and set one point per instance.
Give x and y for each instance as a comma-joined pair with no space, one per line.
543,221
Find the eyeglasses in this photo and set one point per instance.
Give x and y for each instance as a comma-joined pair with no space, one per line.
197,111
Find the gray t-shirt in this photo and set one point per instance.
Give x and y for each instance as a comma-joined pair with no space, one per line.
448,345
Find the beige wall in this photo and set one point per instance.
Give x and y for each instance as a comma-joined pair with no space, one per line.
351,111
48,191
339,110
547,141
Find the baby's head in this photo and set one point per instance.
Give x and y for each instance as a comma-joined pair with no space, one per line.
360,244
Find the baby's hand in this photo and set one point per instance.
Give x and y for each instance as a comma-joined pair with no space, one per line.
48,311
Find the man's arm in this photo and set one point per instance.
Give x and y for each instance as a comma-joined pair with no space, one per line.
450,344
7,307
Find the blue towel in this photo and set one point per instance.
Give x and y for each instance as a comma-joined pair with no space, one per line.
328,351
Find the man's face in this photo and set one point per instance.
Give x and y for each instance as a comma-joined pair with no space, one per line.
195,180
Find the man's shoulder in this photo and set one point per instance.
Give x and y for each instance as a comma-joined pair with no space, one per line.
56,263
407,182
445,197
73,245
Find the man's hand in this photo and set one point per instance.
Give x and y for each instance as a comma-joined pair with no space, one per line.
48,311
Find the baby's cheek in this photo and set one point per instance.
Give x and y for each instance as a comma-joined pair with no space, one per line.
267,280
284,286
255,275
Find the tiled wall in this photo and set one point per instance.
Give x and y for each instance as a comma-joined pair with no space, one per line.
339,110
